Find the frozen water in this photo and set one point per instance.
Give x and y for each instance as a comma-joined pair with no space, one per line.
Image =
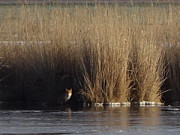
92,121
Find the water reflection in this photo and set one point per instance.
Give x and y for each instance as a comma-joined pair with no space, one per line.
125,117
150,116
92,120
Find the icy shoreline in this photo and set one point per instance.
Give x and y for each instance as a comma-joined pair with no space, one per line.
118,104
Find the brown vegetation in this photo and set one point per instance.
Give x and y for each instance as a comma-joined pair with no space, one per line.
112,54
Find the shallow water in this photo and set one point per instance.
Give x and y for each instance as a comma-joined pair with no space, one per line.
92,121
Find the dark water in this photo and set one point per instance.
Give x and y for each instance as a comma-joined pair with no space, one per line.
92,121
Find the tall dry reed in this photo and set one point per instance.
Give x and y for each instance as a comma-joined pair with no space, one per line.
114,53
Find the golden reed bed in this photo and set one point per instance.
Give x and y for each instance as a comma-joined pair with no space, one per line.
111,53
32,2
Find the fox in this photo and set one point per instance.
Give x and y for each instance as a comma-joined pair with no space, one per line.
65,97
68,94
67,82
65,89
